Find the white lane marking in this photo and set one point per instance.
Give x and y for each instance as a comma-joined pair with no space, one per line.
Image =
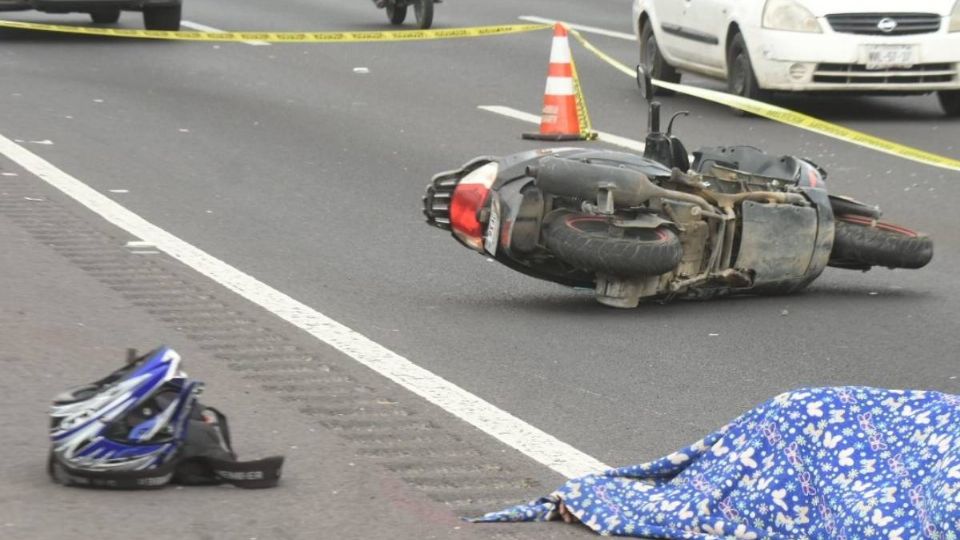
617,140
503,426
138,244
580,27
204,28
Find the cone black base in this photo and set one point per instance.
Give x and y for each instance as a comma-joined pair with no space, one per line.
557,137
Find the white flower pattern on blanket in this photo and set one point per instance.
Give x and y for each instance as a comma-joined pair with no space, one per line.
845,463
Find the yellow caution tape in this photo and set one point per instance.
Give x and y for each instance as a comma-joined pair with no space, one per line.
757,108
285,37
789,117
583,116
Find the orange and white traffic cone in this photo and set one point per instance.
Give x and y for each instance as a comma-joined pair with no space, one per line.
564,116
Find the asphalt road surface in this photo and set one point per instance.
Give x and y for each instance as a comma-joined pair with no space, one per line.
296,167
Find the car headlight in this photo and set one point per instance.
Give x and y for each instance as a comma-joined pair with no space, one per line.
955,18
789,15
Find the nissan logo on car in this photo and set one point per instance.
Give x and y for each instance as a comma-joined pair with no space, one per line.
887,25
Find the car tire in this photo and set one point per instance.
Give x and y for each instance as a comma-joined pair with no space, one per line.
653,62
162,18
105,15
396,13
741,79
950,102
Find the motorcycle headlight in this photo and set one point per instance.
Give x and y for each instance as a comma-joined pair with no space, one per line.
955,18
789,15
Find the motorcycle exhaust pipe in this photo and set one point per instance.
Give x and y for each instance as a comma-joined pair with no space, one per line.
570,178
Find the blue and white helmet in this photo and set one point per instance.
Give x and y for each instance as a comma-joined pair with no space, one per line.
142,427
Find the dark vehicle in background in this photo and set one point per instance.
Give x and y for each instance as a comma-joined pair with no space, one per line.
397,11
157,14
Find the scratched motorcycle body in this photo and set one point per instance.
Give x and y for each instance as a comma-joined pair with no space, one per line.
657,226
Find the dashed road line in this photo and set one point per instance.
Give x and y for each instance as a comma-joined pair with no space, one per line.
610,138
580,27
204,28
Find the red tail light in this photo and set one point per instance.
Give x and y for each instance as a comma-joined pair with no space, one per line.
470,195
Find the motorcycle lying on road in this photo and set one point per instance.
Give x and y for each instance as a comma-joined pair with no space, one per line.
397,11
658,227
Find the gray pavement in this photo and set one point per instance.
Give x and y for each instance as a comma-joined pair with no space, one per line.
284,162
61,324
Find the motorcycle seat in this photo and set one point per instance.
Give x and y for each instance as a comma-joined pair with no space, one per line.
748,159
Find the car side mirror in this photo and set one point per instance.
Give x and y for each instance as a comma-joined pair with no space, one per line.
645,83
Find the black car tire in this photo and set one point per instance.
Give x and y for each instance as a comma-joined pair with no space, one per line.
105,15
861,242
396,13
740,77
653,62
950,102
162,18
424,12
593,243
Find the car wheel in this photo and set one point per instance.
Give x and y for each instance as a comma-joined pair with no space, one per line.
740,77
654,63
105,15
162,18
950,102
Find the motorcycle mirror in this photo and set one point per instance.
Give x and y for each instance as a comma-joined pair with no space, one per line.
645,83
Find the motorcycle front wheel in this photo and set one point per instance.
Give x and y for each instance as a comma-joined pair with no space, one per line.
860,242
396,12
593,243
423,9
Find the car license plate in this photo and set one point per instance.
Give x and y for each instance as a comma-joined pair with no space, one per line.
492,238
886,56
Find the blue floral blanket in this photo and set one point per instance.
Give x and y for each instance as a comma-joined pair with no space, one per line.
845,463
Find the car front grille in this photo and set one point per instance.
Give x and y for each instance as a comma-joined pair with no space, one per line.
870,23
859,74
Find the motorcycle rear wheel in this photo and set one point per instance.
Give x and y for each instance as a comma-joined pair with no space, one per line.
861,242
423,9
396,12
593,243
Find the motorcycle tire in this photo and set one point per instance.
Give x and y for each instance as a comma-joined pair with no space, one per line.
862,242
397,13
424,13
593,243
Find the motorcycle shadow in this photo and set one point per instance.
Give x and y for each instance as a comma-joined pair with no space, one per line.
580,302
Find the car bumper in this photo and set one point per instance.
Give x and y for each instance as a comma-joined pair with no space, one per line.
794,61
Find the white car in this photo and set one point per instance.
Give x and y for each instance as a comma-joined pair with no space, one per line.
759,46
